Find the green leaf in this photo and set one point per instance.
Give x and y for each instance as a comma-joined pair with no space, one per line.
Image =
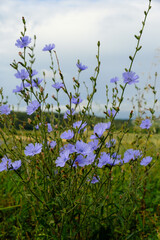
139,48
10,207
137,37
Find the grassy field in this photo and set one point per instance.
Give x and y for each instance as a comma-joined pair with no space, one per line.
18,219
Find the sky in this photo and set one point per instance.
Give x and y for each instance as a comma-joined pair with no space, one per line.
75,27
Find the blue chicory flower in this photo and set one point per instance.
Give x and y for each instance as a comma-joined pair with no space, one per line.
131,154
99,129
21,87
32,149
52,144
117,158
34,72
94,144
130,77
111,143
58,85
4,109
5,164
50,129
79,125
76,100
145,161
114,80
79,161
32,107
37,126
23,74
49,47
23,42
95,179
146,124
69,147
83,148
104,159
18,89
111,112
16,164
69,112
36,82
62,159
81,67
90,158
67,135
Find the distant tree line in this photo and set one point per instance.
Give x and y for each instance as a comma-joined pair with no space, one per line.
22,120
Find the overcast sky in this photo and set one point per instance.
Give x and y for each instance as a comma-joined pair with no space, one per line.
75,27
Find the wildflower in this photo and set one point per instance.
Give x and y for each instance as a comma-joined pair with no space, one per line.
23,42
37,127
62,159
130,77
69,147
111,143
83,148
16,164
146,124
5,164
79,161
18,89
67,135
58,85
79,125
4,109
36,82
49,127
34,105
34,72
81,67
99,129
114,80
32,149
145,161
111,112
131,154
94,144
76,100
90,158
21,87
23,74
69,112
95,179
104,159
117,158
52,144
49,47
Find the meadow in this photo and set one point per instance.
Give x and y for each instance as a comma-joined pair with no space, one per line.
74,175
19,217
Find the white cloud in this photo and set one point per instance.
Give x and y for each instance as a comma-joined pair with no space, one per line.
75,27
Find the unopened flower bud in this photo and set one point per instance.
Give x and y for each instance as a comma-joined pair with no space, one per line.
54,97
23,20
29,120
41,89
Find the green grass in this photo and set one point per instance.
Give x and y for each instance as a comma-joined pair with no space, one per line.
19,220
